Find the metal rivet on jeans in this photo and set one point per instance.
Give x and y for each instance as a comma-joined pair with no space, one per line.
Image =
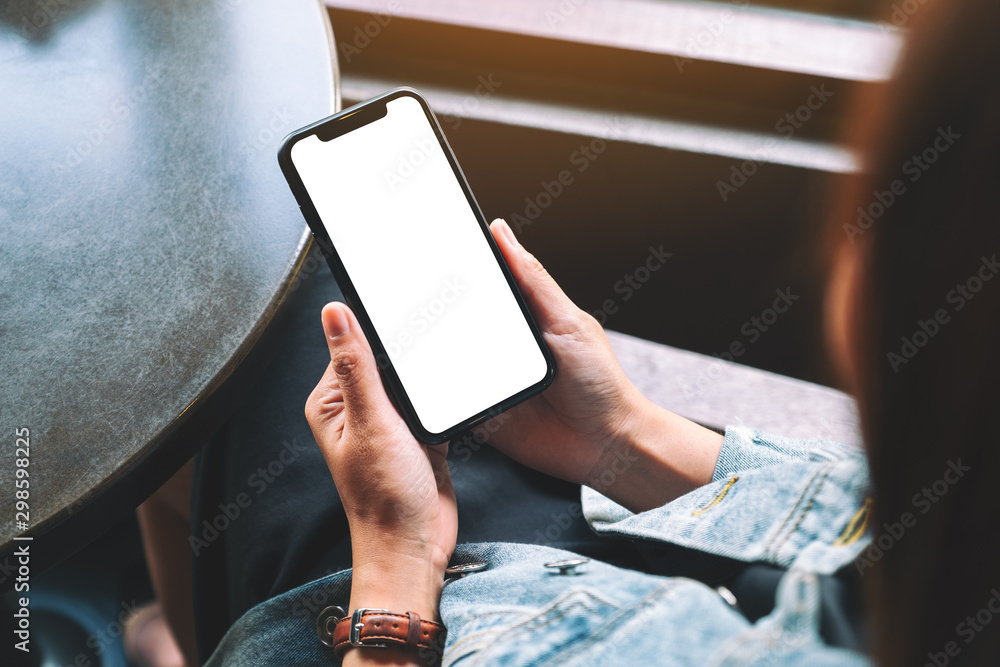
326,622
465,568
567,566
728,596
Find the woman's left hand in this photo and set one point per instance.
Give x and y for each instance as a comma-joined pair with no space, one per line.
397,492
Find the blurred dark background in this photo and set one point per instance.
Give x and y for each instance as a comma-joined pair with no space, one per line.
701,156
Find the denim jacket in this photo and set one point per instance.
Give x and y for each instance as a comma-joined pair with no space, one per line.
798,504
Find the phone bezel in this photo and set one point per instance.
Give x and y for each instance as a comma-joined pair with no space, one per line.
346,121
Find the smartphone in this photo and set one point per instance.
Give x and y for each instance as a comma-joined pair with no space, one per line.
393,214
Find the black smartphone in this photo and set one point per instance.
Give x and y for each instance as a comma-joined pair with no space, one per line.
392,212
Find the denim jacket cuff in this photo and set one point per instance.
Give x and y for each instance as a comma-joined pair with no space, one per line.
747,449
772,499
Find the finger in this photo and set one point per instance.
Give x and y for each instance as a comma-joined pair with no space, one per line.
552,309
353,366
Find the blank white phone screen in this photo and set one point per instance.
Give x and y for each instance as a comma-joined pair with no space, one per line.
421,265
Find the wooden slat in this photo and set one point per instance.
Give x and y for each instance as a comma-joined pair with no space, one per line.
726,32
635,128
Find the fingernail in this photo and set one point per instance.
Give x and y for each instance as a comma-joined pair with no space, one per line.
335,322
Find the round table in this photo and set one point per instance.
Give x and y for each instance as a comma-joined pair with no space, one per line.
149,247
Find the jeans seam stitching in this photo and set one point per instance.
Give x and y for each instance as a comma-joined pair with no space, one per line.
771,547
826,470
718,498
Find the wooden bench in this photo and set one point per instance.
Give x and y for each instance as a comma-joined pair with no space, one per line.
717,393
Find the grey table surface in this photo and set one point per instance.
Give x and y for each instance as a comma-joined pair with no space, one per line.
147,237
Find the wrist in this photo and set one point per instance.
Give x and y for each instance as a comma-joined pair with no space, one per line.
397,579
622,448
656,456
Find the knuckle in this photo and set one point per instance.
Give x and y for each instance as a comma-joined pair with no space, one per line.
535,266
314,407
346,365
579,326
310,409
322,400
589,323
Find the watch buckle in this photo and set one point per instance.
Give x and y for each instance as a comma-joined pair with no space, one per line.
357,624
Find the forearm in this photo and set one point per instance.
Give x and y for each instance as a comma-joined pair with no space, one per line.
659,456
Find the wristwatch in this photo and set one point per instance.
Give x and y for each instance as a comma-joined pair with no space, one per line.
381,628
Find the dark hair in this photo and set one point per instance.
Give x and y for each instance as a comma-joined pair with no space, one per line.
927,339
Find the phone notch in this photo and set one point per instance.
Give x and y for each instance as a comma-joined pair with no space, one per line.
350,122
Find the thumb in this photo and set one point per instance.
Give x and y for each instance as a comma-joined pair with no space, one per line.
551,308
353,366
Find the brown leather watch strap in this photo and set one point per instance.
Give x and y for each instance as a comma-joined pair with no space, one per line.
378,627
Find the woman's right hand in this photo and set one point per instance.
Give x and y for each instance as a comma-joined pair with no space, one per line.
592,425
